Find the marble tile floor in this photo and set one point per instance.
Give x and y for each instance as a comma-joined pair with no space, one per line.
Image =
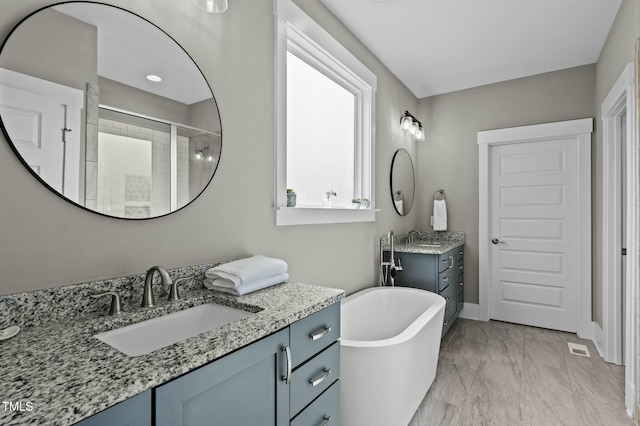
502,374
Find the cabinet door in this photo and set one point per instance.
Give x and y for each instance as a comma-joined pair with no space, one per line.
135,411
419,270
243,388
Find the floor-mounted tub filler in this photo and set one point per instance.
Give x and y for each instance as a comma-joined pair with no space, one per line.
389,353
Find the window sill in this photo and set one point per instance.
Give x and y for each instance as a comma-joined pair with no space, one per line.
317,215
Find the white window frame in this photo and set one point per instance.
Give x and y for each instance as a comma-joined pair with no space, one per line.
298,33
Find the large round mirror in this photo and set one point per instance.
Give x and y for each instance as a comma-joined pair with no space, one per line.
108,111
403,182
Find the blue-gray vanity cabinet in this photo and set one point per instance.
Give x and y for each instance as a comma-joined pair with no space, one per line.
135,411
325,410
438,273
243,388
248,387
315,351
312,334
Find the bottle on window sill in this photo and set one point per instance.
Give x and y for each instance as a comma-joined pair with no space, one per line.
328,196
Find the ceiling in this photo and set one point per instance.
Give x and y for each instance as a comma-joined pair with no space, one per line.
440,46
129,48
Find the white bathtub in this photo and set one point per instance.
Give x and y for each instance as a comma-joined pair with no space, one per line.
390,339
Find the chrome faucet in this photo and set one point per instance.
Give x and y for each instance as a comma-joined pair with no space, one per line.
391,267
412,233
148,299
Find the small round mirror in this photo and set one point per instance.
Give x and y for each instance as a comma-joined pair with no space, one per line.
108,111
403,182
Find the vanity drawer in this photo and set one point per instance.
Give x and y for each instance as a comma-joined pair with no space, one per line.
323,411
314,333
449,295
451,309
447,260
445,279
314,377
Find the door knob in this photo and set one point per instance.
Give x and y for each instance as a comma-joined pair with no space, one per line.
497,241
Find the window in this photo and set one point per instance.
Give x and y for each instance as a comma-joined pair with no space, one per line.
324,124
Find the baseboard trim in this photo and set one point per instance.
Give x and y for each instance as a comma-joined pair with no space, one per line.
598,338
470,311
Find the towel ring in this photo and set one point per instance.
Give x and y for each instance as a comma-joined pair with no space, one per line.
439,195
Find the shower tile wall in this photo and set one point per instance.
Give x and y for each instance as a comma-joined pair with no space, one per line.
161,171
183,171
134,188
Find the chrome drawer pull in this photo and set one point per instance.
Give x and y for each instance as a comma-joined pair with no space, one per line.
445,279
461,266
323,376
287,352
460,252
324,332
461,283
451,264
327,420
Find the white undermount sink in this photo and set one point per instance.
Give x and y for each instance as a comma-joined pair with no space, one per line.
150,335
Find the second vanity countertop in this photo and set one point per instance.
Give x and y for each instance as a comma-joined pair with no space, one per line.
428,243
67,374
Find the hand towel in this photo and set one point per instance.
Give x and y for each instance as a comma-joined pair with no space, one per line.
439,215
247,287
245,270
399,206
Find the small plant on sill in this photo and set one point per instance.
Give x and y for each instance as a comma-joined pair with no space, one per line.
291,197
361,203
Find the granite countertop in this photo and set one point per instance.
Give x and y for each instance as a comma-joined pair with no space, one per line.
64,374
428,243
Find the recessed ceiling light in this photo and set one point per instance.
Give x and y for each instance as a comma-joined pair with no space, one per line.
154,78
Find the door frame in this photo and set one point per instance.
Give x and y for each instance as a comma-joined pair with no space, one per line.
620,102
580,130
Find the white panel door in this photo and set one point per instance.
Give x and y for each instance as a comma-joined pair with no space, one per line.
35,112
34,123
533,201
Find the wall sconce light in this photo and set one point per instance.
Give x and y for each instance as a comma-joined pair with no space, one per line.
212,6
204,153
413,126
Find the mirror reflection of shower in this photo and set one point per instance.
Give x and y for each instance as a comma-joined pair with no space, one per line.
148,167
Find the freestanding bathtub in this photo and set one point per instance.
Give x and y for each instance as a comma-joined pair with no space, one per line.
390,339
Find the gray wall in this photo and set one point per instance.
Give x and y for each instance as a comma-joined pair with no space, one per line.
118,95
46,242
204,115
618,51
454,119
449,157
56,38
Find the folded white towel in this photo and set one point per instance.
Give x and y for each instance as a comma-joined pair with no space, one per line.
246,270
219,284
439,215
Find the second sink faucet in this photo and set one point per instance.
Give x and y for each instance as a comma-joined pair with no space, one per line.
412,233
148,299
